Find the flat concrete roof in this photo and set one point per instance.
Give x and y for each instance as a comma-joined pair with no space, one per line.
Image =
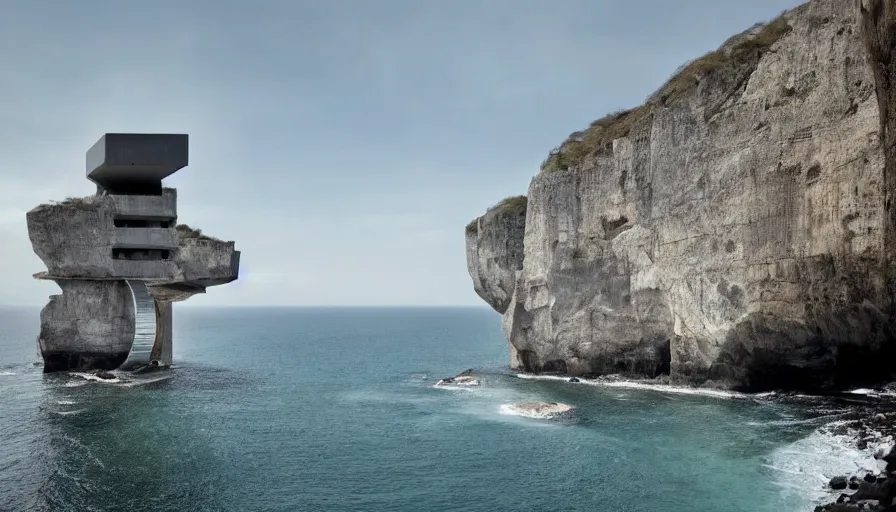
130,158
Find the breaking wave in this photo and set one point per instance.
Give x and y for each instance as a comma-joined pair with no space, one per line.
806,466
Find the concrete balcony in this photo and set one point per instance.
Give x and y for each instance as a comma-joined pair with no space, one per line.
146,207
144,238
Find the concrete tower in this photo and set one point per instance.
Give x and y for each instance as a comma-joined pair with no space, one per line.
121,258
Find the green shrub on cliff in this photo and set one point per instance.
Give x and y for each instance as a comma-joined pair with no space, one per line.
599,137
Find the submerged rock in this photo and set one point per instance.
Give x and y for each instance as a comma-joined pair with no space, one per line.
838,483
464,379
541,410
105,375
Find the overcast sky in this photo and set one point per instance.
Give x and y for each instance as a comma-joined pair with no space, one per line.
344,144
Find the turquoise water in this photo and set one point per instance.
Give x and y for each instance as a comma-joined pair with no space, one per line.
334,410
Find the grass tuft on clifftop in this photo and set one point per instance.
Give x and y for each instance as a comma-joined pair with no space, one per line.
599,137
473,227
509,206
515,205
185,231
79,203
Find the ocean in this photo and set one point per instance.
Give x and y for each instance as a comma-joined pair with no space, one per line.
291,409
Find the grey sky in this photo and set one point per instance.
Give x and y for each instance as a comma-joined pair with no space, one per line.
344,144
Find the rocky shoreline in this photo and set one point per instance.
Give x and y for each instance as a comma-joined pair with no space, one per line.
865,416
869,489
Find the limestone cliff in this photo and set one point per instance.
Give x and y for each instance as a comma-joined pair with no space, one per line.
735,231
495,251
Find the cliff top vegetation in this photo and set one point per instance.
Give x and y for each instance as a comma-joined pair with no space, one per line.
600,135
185,231
510,206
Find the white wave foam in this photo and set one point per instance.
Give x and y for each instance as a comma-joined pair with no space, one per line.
806,466
543,412
69,413
94,378
75,384
144,381
65,402
455,388
7,374
873,393
663,388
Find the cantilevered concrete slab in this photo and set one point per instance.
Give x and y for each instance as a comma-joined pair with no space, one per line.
136,162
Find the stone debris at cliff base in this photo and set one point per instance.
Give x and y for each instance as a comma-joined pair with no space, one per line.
537,410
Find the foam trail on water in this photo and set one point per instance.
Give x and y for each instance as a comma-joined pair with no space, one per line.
7,374
144,381
69,413
664,388
94,378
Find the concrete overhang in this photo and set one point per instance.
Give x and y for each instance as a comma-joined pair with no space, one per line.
127,160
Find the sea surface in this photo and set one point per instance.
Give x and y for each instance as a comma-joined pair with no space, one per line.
335,410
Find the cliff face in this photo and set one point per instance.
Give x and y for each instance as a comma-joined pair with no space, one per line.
495,251
732,232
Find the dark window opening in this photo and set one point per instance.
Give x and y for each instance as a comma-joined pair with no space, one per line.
138,188
141,254
143,223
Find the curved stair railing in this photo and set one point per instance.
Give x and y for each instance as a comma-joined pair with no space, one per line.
144,326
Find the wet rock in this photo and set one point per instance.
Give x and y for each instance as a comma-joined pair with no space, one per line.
105,375
573,379
542,410
882,492
464,379
870,478
838,483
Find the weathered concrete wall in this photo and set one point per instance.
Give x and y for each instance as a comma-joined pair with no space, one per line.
89,326
52,230
151,207
734,238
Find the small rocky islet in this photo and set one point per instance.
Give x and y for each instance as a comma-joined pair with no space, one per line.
464,379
